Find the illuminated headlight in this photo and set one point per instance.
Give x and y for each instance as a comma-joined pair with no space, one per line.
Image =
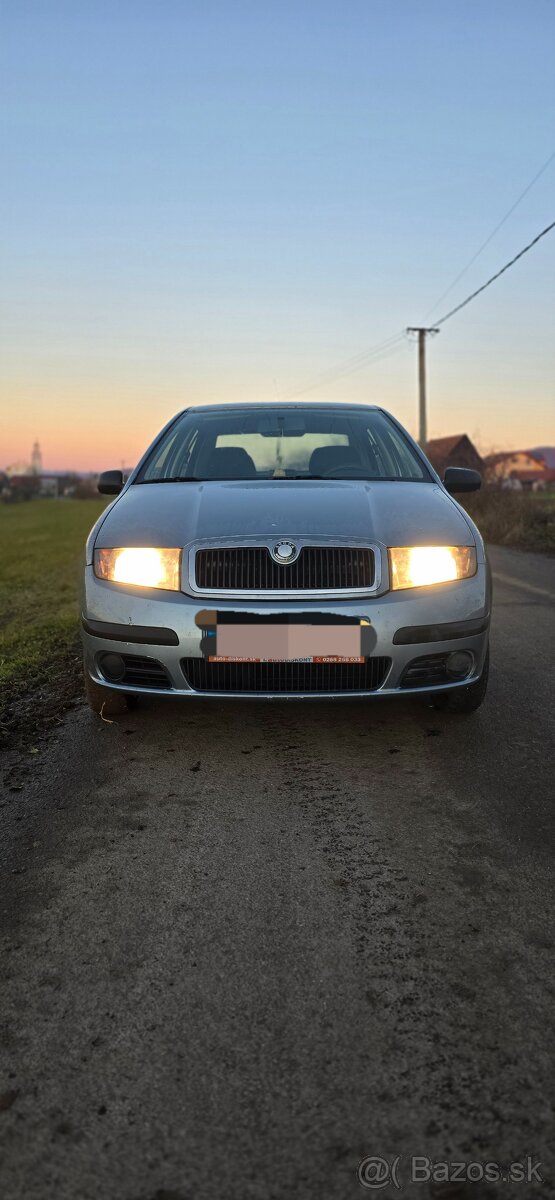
142,566
420,566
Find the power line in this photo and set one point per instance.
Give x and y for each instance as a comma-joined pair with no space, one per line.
492,234
393,344
355,361
349,366
496,276
362,357
423,331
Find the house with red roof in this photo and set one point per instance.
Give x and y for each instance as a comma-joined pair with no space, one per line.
454,451
518,468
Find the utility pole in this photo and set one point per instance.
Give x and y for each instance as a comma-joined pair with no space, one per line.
422,332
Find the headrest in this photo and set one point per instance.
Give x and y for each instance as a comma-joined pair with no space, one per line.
328,458
230,462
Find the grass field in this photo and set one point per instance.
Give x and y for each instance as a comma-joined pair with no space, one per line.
41,548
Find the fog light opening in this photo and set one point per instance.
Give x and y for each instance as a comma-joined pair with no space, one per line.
459,664
112,667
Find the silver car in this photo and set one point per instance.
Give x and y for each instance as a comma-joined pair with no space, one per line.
286,550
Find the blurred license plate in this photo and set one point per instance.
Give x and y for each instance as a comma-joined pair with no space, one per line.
288,643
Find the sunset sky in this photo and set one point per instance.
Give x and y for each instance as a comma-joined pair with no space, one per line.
230,200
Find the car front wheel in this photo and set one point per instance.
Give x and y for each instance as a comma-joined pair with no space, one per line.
465,699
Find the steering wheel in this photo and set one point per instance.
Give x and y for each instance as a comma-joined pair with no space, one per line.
346,466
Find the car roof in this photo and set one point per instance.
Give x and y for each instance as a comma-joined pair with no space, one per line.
238,405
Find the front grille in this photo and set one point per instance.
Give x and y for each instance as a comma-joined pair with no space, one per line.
252,568
288,677
144,672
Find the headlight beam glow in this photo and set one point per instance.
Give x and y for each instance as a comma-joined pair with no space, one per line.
422,566
140,566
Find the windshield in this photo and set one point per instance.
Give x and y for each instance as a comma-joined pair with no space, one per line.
276,443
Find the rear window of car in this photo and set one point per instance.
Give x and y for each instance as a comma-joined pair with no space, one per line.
267,452
279,443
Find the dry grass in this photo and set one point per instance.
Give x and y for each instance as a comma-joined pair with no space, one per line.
523,519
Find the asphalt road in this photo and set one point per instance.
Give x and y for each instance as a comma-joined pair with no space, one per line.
246,946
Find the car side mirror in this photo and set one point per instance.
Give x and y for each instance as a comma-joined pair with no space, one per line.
110,483
461,479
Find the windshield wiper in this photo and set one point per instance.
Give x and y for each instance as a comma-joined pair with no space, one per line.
245,478
347,477
175,479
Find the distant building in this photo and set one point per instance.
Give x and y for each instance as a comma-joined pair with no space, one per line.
546,455
21,487
454,451
519,466
18,468
49,485
25,468
547,480
36,459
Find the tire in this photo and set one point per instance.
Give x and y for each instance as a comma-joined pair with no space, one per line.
102,700
466,699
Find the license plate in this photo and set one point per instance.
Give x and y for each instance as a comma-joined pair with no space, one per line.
287,642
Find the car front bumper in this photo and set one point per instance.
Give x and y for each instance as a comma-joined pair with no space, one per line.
110,611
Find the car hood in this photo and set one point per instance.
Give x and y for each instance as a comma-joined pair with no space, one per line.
175,514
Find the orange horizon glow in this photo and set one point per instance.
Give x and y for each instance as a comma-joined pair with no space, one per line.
86,444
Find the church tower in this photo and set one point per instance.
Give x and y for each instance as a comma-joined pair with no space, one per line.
36,459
